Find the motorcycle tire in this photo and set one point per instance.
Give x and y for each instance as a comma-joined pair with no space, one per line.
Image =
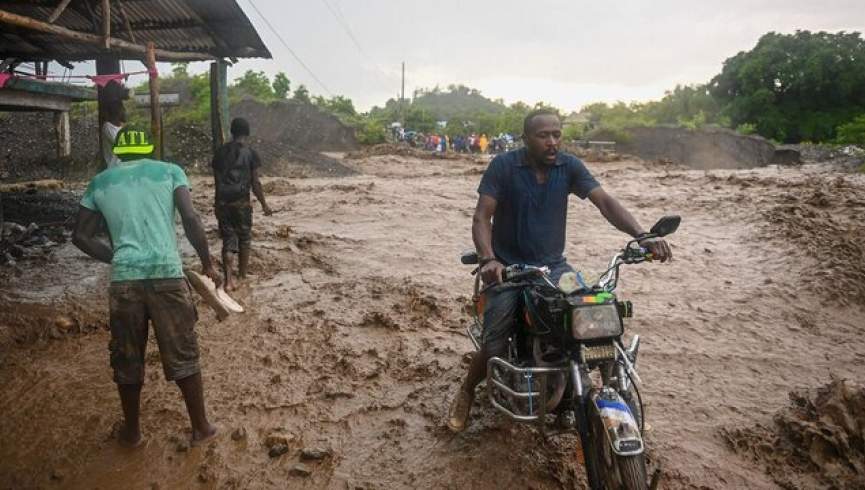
591,456
632,470
607,470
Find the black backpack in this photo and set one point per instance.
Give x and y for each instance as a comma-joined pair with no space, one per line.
232,167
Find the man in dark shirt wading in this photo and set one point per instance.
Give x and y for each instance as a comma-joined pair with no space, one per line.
520,219
235,172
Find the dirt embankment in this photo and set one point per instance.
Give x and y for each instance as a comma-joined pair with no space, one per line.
700,149
288,135
297,125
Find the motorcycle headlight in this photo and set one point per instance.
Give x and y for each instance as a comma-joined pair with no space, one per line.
595,322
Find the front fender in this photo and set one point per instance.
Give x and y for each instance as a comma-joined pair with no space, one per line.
622,431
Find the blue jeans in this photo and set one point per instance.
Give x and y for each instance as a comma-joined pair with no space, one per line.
500,312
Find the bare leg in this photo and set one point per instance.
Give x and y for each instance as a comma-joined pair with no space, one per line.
228,269
244,261
130,400
193,394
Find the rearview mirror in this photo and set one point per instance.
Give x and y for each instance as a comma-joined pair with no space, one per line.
666,225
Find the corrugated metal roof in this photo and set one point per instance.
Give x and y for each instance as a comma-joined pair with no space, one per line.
216,27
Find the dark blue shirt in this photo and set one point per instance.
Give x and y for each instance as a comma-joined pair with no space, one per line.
529,222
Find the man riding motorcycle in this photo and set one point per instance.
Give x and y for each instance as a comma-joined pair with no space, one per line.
520,218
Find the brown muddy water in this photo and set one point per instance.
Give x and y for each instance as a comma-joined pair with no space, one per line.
353,341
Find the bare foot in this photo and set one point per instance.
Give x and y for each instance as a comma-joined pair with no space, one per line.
129,438
199,438
230,285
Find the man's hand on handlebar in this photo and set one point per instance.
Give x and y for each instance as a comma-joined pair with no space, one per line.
491,272
659,248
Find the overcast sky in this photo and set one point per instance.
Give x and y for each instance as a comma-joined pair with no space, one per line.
565,52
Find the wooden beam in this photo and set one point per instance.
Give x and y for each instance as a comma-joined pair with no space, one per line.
106,24
155,112
126,21
161,54
218,103
19,99
73,92
61,127
57,11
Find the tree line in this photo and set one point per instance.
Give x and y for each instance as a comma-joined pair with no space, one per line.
806,86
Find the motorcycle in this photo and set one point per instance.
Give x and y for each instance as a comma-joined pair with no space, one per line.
567,368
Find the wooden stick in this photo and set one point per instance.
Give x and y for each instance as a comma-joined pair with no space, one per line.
106,24
61,126
126,21
29,23
57,11
155,113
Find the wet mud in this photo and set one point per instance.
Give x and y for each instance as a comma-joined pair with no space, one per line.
815,442
340,373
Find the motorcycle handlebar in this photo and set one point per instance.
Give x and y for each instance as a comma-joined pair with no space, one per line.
515,275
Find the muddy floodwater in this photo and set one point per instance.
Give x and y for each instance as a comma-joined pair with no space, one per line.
353,341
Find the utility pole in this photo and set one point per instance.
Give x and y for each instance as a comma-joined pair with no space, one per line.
402,97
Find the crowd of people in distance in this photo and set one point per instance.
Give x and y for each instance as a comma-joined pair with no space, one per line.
472,143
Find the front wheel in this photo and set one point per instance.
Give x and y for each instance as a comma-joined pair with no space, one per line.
606,470
632,471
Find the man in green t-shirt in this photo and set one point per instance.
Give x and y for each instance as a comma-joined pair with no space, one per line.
137,199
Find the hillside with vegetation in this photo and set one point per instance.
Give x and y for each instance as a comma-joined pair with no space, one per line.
790,88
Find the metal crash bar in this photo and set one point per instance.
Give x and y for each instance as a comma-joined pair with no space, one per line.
494,384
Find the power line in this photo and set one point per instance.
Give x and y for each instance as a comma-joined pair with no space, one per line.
296,57
345,26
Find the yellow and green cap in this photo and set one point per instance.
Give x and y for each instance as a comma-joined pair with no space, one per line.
131,141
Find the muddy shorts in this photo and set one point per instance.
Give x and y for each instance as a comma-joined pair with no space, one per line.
500,312
235,225
167,305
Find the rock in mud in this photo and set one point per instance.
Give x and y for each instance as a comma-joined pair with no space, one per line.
274,439
64,324
300,469
277,450
314,453
239,434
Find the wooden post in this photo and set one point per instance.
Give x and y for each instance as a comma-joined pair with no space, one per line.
218,103
61,127
155,113
106,24
105,65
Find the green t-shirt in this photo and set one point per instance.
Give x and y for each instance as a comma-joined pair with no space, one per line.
137,200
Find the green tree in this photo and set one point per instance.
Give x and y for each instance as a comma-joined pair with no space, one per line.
853,132
683,105
337,105
252,84
281,86
369,131
419,119
795,87
301,94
